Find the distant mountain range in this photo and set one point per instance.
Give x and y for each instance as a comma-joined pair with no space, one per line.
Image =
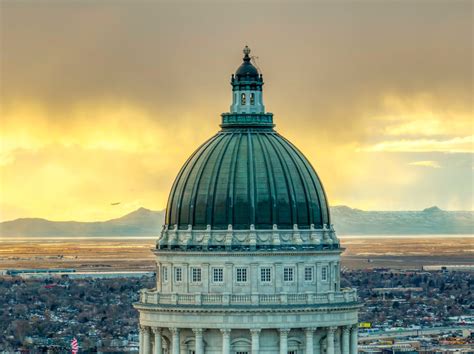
141,222
347,221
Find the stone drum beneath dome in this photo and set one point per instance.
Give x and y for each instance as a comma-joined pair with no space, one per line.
248,261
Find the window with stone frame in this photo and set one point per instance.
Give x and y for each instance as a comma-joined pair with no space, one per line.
288,274
218,275
241,275
308,273
196,275
324,273
265,275
178,274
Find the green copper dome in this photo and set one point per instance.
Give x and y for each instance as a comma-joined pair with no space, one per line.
243,177
247,176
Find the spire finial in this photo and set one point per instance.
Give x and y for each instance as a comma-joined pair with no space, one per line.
246,51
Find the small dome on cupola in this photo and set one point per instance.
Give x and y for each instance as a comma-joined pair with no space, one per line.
247,71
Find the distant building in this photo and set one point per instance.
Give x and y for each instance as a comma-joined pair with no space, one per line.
452,267
73,274
388,347
397,290
15,272
248,261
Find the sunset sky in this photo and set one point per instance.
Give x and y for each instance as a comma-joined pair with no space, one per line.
103,101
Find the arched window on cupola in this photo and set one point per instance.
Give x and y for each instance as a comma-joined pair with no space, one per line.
252,98
242,99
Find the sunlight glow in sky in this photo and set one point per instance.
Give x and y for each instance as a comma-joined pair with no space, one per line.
102,102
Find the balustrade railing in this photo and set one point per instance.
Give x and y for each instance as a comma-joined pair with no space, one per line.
153,297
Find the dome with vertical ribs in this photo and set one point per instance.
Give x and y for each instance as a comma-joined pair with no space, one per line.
247,178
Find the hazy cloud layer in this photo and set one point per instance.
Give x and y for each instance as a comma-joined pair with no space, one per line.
103,101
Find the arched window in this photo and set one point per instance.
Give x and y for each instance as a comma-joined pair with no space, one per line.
242,99
252,98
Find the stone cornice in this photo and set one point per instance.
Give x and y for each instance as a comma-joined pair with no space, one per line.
247,119
337,307
263,253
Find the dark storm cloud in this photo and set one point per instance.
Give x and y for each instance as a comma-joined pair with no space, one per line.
330,55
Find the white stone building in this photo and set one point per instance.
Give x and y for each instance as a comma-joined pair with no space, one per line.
248,261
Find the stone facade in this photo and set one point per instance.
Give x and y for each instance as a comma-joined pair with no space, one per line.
240,302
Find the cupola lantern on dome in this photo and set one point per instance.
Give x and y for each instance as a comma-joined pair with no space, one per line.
247,88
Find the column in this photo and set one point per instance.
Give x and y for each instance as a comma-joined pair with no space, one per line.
284,340
255,334
279,279
175,341
299,276
225,341
318,341
309,348
345,339
158,349
159,277
253,278
354,330
198,340
330,340
317,279
146,340
140,339
206,277
186,277
228,277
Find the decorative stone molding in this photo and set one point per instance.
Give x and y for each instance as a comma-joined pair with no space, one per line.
229,310
174,331
215,240
225,331
247,119
143,328
198,331
157,330
333,250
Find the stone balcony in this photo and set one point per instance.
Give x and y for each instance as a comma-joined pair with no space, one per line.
153,297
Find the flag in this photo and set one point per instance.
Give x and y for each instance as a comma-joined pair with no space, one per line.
74,346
